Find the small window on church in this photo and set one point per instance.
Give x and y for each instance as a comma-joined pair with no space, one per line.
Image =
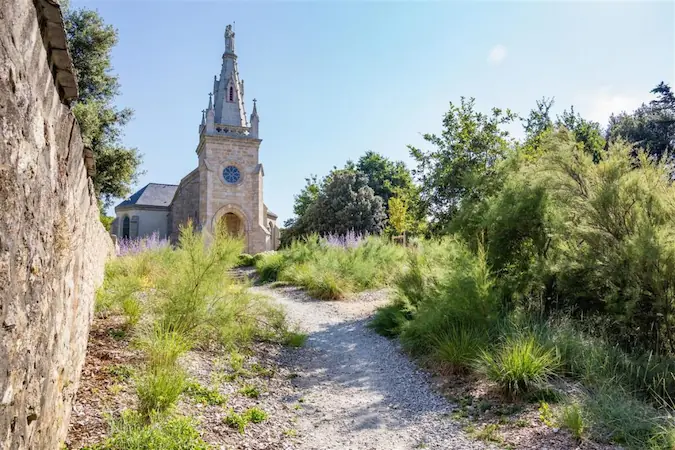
231,94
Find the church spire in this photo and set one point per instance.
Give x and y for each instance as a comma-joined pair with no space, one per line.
255,120
228,92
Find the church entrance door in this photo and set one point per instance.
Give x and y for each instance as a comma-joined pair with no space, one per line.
232,224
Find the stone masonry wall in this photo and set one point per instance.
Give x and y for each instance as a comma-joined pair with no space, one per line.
185,204
52,244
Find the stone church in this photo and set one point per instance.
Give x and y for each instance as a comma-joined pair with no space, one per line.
226,188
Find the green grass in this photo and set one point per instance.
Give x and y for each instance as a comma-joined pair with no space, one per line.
295,339
240,421
158,389
330,272
459,345
250,390
203,395
133,432
520,365
571,418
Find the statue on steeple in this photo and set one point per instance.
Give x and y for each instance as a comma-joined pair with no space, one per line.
229,39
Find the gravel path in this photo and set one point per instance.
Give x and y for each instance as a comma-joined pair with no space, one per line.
359,391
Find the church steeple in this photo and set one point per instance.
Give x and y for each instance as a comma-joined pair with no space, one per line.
226,112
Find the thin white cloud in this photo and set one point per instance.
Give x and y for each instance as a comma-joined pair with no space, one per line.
497,55
601,104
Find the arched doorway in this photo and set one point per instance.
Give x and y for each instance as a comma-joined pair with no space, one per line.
232,224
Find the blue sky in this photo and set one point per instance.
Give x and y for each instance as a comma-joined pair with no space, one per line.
335,79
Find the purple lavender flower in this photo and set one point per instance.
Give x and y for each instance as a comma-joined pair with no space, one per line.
127,246
351,239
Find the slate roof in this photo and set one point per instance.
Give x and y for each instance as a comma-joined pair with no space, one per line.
153,194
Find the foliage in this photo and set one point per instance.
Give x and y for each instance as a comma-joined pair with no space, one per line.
345,203
295,339
571,418
246,260
196,297
332,270
158,389
352,193
398,215
240,421
461,167
519,365
203,395
132,432
90,42
651,127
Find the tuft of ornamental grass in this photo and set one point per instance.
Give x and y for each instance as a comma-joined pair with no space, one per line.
389,321
162,348
269,265
158,389
571,418
132,431
459,345
520,365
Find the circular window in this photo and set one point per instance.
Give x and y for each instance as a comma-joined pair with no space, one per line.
231,175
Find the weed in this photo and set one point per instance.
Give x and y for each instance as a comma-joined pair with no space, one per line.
162,348
261,371
240,421
204,395
489,433
522,423
572,419
250,391
294,339
545,414
292,432
235,420
131,307
120,372
117,333
256,415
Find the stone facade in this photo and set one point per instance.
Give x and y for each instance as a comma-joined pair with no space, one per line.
52,244
226,189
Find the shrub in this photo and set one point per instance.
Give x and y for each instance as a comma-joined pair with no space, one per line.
269,266
163,348
459,295
389,321
133,432
158,389
246,260
199,300
520,365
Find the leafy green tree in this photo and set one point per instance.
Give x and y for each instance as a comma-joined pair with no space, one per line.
587,134
345,203
385,177
398,215
462,166
650,127
90,42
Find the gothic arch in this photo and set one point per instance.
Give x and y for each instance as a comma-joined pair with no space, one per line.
237,211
